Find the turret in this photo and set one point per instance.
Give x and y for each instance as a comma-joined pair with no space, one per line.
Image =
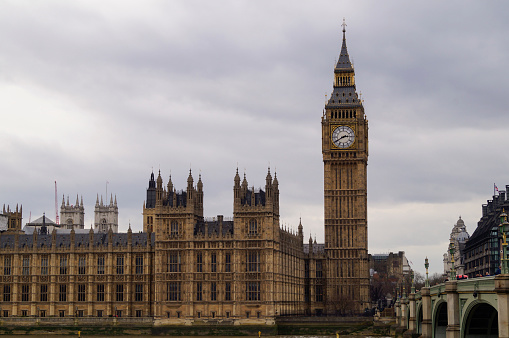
268,185
159,189
151,192
200,192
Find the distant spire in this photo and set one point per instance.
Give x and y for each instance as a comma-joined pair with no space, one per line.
77,201
344,60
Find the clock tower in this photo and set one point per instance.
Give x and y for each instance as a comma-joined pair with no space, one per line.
345,158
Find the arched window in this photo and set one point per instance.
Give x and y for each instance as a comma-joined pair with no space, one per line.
174,228
253,227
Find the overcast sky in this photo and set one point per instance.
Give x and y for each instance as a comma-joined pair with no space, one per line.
97,91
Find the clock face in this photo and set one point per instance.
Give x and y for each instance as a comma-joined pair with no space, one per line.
343,137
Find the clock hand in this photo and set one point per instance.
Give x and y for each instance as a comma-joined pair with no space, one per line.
342,137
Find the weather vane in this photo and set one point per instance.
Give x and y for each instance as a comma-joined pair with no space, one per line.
344,25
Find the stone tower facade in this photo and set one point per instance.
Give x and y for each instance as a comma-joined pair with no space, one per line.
72,216
106,215
14,218
244,269
345,156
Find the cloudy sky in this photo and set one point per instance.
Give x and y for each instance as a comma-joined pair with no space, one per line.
107,91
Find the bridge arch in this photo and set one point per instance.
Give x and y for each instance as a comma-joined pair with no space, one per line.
418,318
480,319
440,319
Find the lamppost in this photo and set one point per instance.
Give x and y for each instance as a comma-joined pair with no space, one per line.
503,227
412,290
451,252
426,265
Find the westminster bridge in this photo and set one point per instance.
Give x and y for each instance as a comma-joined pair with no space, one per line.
477,307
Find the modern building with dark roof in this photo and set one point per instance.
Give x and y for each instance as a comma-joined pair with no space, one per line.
482,250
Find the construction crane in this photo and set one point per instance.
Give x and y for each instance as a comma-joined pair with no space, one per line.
56,205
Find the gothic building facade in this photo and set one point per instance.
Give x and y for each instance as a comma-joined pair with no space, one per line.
185,268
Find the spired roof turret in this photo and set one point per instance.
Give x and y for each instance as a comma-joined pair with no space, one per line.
344,94
344,64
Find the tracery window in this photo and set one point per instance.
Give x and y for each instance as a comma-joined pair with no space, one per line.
199,262
62,293
44,293
7,265
81,292
44,264
173,262
253,261
63,265
120,264
7,293
173,291
174,228
25,293
26,266
138,293
100,292
120,292
82,263
213,262
227,262
213,291
253,291
253,227
100,265
139,264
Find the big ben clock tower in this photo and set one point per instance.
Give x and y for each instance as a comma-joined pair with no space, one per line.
345,157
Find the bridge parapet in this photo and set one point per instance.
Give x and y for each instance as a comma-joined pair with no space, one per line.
448,308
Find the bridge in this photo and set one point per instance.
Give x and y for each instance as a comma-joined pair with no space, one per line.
477,307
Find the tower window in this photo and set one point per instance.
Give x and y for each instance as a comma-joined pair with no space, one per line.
199,262
82,265
253,227
62,293
63,265
120,292
213,262
139,264
7,265
26,265
44,265
174,228
81,292
100,292
227,262
120,264
100,265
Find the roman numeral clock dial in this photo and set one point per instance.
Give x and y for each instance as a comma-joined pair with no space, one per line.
343,137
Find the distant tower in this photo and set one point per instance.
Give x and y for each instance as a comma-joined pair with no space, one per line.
459,236
14,218
106,215
345,159
72,216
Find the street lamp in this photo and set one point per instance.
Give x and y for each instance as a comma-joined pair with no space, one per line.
503,227
426,265
413,282
451,252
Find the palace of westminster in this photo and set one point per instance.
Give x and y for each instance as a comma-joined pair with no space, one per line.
184,268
